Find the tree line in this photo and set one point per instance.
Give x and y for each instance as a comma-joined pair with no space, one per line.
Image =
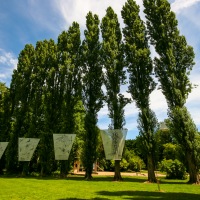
59,87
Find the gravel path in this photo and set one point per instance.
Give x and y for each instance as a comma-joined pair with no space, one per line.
100,173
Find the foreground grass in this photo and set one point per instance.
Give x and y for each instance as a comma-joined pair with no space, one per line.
75,187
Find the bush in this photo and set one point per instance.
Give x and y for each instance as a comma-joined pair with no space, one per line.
136,164
174,169
123,165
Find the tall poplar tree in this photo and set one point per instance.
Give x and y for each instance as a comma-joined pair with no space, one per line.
114,76
5,110
92,92
141,83
51,106
44,52
172,67
69,63
52,99
20,109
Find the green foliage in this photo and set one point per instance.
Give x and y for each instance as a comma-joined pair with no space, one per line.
79,130
171,151
69,64
138,60
183,128
5,126
130,144
130,161
174,169
3,91
44,90
135,163
167,145
20,95
162,137
70,82
114,75
45,69
141,83
57,88
123,164
92,92
4,112
172,68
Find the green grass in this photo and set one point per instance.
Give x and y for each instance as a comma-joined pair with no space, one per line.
75,187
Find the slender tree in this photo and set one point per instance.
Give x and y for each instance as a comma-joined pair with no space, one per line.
113,61
69,63
141,83
172,67
20,110
92,92
44,59
79,130
52,99
51,106
5,108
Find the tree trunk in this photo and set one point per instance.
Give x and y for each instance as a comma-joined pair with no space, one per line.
2,164
64,168
42,171
88,172
151,167
193,172
1,170
117,176
25,169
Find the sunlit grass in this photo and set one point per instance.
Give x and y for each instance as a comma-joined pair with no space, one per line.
75,187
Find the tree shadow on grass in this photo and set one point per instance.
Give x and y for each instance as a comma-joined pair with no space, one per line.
94,179
97,198
140,195
173,181
77,178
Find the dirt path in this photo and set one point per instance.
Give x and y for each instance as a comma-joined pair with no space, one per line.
122,173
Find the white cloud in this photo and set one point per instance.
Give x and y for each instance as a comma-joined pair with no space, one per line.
103,112
8,62
179,5
8,58
2,76
194,96
158,104
76,10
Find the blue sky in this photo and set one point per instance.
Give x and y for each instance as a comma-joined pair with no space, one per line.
26,22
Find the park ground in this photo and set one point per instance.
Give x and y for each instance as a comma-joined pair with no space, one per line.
102,186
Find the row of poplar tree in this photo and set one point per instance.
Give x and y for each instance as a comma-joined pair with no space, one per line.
57,87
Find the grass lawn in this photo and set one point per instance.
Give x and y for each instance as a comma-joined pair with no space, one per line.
101,187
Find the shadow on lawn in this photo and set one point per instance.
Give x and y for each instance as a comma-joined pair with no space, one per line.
107,179
139,195
85,199
77,178
95,179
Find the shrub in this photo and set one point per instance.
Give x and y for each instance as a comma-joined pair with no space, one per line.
174,169
136,164
123,165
